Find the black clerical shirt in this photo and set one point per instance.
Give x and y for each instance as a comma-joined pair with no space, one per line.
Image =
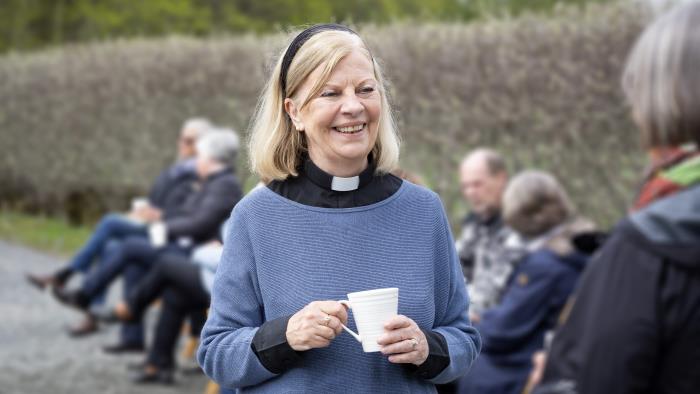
314,187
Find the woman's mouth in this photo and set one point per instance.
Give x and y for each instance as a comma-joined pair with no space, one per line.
350,129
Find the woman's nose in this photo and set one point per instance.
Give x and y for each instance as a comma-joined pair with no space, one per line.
351,105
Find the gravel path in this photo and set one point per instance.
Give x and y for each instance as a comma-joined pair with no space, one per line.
36,355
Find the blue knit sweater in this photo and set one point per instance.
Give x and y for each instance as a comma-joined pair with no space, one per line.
280,255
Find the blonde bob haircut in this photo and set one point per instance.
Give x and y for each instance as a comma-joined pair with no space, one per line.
275,146
534,203
662,78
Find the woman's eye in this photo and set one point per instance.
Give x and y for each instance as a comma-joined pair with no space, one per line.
367,89
328,93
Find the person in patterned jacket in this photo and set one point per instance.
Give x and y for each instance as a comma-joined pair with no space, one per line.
487,248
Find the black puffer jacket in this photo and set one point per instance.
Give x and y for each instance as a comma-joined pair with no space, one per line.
200,217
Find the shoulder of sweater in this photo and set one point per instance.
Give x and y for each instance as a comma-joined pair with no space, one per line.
421,192
253,198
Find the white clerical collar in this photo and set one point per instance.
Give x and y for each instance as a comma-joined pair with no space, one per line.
337,183
340,184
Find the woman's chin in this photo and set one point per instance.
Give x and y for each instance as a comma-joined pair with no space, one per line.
353,153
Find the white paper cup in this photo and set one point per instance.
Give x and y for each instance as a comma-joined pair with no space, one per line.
158,234
371,309
139,203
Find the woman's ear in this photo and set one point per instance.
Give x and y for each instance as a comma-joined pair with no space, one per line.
293,111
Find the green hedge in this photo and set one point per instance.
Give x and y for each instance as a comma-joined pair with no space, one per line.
84,128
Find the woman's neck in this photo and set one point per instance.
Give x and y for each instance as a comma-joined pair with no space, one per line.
344,169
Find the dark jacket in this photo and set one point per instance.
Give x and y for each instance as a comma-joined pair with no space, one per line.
514,329
173,186
200,217
635,324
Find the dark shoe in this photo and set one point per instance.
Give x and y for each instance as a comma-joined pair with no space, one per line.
74,298
162,376
41,282
86,327
120,348
58,279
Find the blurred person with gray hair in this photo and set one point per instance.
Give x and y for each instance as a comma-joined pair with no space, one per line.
221,147
539,209
487,248
170,189
635,324
196,221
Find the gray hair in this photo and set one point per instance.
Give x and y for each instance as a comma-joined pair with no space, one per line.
493,160
534,202
200,126
220,145
662,78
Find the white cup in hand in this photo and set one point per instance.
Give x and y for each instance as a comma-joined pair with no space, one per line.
139,203
371,309
158,234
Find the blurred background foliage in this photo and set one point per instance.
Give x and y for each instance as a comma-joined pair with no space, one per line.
85,127
31,24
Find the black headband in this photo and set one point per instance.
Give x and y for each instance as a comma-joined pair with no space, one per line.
298,42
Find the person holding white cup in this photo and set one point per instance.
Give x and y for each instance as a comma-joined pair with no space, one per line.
331,223
169,191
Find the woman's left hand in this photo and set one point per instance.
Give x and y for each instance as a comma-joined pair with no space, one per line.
403,341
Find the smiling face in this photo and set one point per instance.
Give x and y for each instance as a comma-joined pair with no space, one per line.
340,122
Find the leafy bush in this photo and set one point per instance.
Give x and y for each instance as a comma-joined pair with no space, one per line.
40,23
84,128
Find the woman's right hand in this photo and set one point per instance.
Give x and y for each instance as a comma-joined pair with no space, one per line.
316,325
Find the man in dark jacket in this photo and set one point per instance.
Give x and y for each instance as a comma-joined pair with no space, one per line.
197,220
172,186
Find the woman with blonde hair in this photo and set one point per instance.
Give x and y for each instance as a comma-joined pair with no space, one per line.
332,220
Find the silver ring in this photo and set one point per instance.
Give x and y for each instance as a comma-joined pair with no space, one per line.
414,343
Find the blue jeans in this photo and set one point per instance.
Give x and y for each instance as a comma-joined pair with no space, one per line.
111,247
111,226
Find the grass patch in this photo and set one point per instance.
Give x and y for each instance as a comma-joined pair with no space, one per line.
51,235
